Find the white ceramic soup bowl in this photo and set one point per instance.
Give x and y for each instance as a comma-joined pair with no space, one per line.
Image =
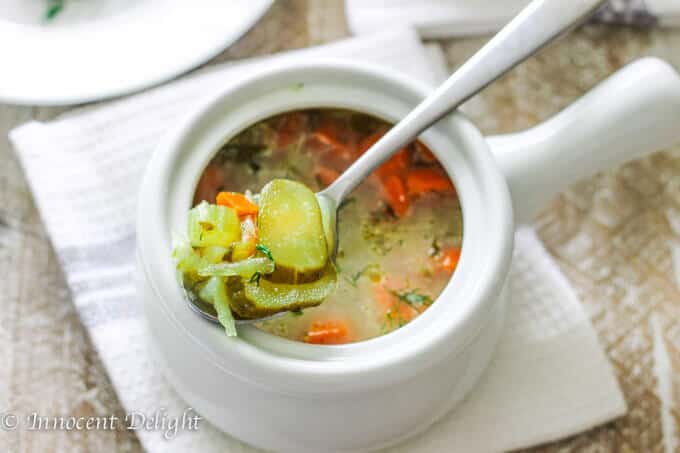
288,396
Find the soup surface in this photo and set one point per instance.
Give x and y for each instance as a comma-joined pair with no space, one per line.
400,231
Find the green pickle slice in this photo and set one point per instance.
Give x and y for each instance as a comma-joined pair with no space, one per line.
291,228
256,299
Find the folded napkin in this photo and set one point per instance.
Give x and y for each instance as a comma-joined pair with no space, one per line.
549,379
450,18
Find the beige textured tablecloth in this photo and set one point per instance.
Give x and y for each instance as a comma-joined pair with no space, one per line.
616,237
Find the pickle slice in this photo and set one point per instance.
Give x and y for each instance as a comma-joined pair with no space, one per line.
291,228
252,299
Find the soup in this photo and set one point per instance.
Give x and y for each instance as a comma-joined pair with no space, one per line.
400,231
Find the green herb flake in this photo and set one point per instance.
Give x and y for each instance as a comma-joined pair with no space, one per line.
426,272
53,9
255,278
413,297
368,269
435,248
265,251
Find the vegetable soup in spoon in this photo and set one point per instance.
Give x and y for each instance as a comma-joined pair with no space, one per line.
399,232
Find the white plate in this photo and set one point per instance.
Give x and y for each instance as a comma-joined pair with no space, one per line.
96,49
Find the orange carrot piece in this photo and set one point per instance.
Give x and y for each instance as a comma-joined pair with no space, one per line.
405,311
448,259
396,196
329,135
368,141
424,180
328,332
238,202
382,296
326,175
395,165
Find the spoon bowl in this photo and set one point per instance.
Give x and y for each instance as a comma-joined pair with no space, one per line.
329,219
207,311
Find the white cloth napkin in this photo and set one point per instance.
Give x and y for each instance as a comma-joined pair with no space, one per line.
451,18
549,379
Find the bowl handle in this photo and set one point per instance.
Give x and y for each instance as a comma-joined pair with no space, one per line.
634,112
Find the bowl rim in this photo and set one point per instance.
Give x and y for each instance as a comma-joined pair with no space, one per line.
310,368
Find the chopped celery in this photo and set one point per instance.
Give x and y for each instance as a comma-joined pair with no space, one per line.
214,253
214,292
211,224
188,260
245,268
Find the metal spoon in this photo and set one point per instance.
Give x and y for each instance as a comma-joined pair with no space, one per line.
537,25
207,311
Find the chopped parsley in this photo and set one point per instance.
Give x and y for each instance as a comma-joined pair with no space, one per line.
255,278
54,7
413,297
369,268
265,250
435,248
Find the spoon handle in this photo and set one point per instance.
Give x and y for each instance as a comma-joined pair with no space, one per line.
537,25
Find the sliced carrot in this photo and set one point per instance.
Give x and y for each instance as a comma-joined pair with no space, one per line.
289,129
382,296
395,165
238,202
391,174
448,259
209,184
326,175
396,196
329,134
328,332
424,180
405,311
